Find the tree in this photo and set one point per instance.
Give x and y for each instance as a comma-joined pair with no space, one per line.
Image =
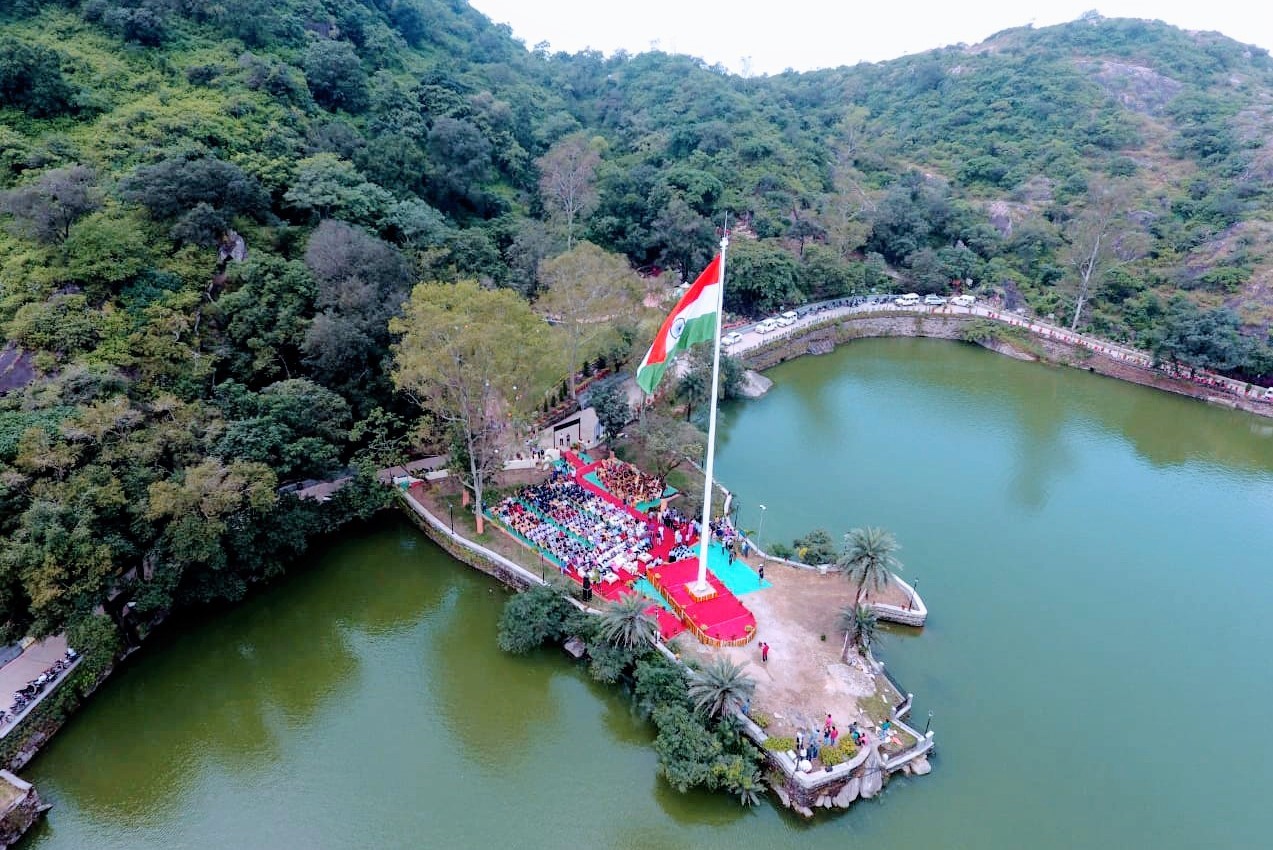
860,626
461,162
470,358
532,618
664,442
685,238
586,290
333,188
1201,339
1102,237
46,207
815,548
178,184
868,560
625,623
613,410
335,75
695,385
566,175
720,688
762,278
31,80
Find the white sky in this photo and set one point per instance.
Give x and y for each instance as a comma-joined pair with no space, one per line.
807,34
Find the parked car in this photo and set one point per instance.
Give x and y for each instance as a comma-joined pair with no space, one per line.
785,320
790,314
910,299
766,326
934,300
732,338
963,300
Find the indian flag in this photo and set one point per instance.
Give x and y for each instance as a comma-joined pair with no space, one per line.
692,321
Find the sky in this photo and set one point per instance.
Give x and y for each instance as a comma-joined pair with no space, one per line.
752,37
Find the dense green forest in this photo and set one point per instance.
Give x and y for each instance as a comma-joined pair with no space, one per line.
212,211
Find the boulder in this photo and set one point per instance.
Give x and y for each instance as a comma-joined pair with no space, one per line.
822,802
848,793
783,795
805,810
921,767
872,782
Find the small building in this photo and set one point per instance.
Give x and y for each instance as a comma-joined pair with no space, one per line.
581,427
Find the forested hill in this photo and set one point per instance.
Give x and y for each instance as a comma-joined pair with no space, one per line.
211,211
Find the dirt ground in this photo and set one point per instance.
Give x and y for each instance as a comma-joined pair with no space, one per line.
806,676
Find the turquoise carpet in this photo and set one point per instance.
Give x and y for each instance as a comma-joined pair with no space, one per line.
738,577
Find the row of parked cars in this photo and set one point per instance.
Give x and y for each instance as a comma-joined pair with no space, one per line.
912,299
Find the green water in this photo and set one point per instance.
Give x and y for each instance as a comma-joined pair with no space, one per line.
1095,556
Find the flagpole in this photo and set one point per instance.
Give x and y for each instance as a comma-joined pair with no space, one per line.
701,588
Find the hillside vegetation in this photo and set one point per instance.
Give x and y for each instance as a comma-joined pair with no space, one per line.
212,211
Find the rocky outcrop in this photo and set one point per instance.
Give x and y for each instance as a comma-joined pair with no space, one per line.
754,384
848,793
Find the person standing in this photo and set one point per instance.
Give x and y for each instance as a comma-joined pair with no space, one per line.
761,572
764,653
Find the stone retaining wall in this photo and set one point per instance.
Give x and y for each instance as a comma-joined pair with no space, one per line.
465,550
21,814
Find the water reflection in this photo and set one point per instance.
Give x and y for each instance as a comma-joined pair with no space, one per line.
228,691
475,700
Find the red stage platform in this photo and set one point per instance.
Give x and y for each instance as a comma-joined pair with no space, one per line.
719,621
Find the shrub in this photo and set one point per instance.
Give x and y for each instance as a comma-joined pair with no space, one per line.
841,752
533,618
761,719
779,744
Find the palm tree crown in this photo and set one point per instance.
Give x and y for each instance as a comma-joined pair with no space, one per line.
719,687
860,624
625,623
868,560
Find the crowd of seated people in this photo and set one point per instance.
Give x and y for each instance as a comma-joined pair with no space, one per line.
628,483
579,529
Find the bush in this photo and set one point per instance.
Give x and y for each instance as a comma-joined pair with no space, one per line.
779,744
533,618
837,754
761,719
781,550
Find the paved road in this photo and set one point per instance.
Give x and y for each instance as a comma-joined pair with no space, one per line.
37,658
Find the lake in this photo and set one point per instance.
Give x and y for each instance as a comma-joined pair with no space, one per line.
1094,556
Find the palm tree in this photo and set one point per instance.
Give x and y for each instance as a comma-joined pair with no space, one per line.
720,687
625,623
860,626
867,559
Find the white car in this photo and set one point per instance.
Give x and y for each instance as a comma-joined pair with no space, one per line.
934,300
766,326
963,300
731,338
786,320
910,299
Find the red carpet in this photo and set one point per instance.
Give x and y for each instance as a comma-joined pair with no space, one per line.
720,621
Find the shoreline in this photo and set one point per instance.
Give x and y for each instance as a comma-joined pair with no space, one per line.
1052,346
862,777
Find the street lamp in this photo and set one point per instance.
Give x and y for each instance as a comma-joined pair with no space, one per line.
929,723
914,585
760,531
450,509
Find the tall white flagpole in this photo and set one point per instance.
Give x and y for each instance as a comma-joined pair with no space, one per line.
701,588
